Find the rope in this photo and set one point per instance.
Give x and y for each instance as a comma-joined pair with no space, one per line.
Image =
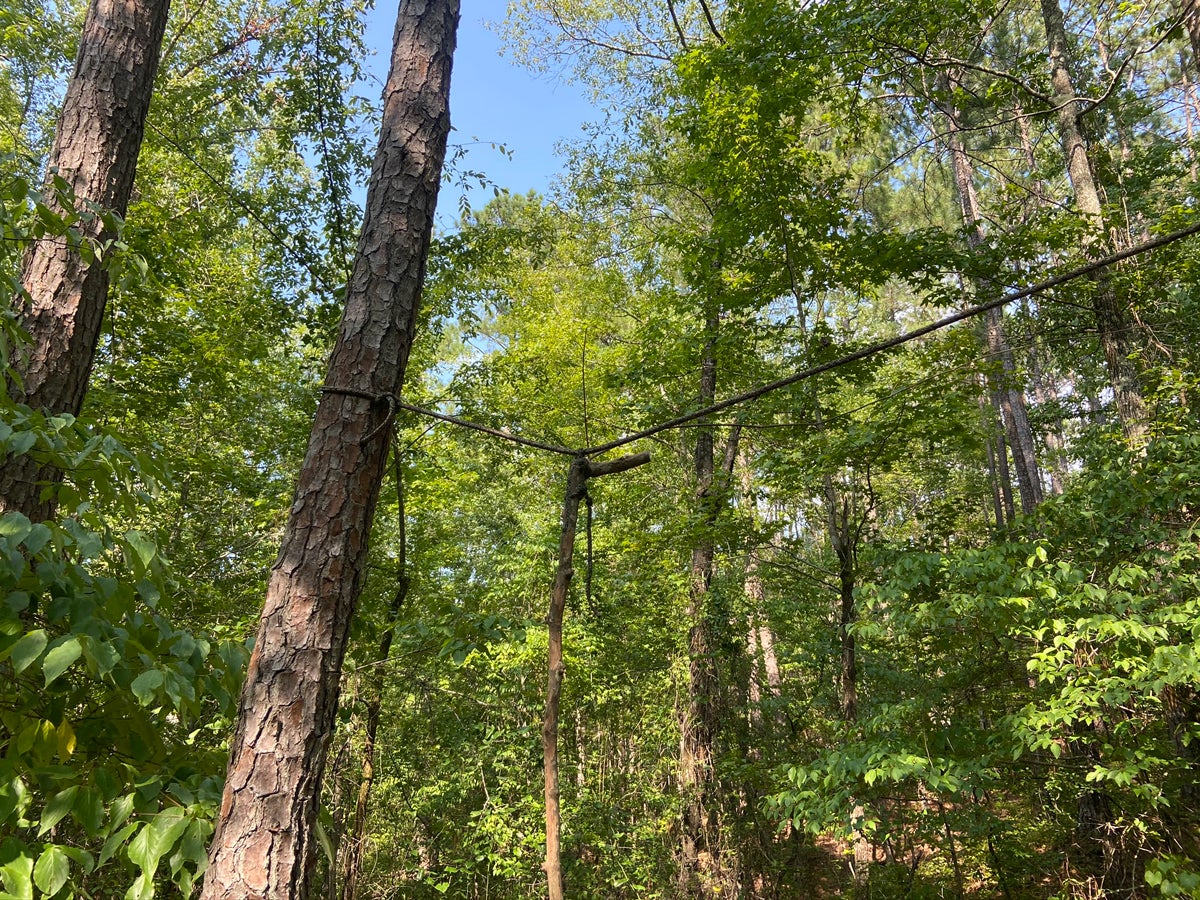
881,346
394,403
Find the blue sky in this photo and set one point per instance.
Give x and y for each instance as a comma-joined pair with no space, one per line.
493,100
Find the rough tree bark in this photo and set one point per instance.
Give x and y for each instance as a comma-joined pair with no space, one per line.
577,477
264,838
95,150
1111,322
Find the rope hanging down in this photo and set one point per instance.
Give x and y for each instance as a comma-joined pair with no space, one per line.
394,403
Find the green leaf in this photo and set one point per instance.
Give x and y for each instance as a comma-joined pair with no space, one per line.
142,545
156,838
142,888
89,809
39,535
15,526
57,808
27,649
17,873
115,841
52,869
20,443
60,658
325,842
145,685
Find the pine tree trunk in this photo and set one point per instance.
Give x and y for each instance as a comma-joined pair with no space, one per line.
1191,22
1110,317
1014,410
96,146
264,841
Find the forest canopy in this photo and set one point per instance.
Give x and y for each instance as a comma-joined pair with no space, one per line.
894,309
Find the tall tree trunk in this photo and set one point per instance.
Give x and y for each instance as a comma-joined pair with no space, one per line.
838,521
1110,317
760,642
96,146
576,485
351,867
1013,407
577,476
1191,21
843,539
263,843
699,863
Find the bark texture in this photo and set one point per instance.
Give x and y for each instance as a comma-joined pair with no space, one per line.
1111,322
264,840
95,150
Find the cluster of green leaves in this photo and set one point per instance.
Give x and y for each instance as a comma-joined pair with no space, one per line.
1089,631
111,716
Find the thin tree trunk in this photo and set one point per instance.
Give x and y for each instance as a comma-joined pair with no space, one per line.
96,147
1110,317
351,867
263,845
1013,407
841,539
760,643
576,485
990,439
1045,392
577,476
1185,84
699,862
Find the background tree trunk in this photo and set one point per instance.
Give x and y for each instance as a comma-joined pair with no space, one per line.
96,146
699,863
1013,407
1110,317
351,867
264,835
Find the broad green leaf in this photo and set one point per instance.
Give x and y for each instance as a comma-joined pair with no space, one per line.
57,809
17,873
15,526
156,838
103,655
20,443
27,649
115,842
89,809
52,870
142,888
60,658
39,535
142,546
146,684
